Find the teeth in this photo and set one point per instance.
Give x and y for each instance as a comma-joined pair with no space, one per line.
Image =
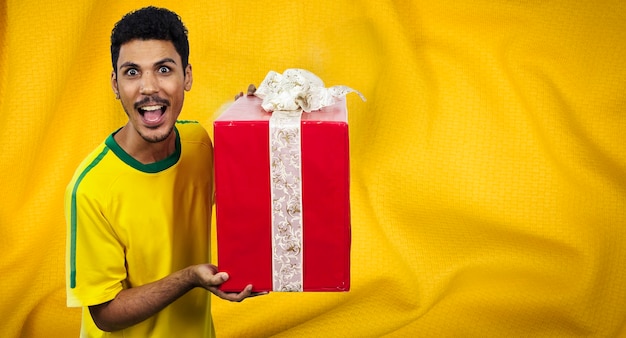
152,107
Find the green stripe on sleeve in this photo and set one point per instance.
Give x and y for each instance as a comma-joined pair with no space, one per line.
73,216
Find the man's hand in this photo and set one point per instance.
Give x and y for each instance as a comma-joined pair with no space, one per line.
251,90
210,279
134,305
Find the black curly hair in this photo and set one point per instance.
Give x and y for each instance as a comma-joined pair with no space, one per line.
150,23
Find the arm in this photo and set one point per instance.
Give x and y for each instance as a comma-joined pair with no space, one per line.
134,305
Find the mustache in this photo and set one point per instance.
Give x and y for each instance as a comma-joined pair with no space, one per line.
153,100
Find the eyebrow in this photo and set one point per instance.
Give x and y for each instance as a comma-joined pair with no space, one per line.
166,60
158,63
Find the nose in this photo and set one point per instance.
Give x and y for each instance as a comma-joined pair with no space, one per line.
149,84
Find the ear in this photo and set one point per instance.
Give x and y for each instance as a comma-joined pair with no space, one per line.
114,85
188,78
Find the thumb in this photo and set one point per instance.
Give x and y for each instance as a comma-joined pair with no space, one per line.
219,278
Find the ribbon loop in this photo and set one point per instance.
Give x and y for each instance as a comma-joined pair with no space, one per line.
298,90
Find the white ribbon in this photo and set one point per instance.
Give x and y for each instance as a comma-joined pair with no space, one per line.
287,95
286,196
298,90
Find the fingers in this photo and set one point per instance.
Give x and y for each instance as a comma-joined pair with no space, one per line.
251,89
262,293
231,296
207,275
219,278
211,280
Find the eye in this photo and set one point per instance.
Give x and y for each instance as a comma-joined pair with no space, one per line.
132,72
164,69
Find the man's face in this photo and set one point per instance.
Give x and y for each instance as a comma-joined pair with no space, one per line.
151,84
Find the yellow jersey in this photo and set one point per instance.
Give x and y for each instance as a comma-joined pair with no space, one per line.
129,224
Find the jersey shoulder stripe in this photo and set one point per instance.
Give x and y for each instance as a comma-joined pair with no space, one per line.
73,229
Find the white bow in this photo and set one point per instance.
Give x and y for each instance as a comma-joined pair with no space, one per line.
298,90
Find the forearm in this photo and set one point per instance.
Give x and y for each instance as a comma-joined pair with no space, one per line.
136,304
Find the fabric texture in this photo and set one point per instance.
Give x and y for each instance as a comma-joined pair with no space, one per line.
130,224
488,165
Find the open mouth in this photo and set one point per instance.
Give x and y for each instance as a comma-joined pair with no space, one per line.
152,114
152,110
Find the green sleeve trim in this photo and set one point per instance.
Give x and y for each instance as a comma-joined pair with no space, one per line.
73,222
187,121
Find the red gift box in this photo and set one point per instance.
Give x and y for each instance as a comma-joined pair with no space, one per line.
249,232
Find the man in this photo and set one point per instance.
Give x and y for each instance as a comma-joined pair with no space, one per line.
138,208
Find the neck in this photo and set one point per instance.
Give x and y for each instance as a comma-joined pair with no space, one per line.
142,150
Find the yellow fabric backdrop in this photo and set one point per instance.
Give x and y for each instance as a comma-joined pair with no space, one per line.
488,166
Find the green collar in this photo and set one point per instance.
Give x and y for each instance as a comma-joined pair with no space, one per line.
147,168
